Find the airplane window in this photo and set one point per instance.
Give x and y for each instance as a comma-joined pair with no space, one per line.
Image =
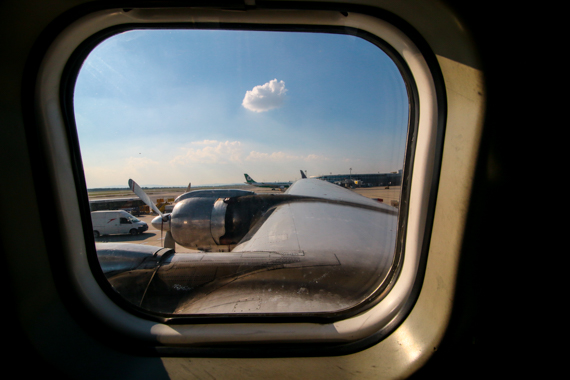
268,165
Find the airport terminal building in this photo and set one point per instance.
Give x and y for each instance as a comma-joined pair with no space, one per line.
376,179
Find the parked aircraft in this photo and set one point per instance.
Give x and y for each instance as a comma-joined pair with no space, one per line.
54,303
273,185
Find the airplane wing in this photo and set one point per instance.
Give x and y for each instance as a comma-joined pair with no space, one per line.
327,251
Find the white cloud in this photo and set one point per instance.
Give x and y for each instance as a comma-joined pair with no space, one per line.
214,152
207,142
282,157
265,97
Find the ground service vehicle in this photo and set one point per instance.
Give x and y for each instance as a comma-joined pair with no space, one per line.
116,222
69,324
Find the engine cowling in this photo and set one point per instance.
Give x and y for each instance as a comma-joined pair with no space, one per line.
207,222
191,222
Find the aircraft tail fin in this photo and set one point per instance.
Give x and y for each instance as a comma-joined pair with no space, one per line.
248,178
303,174
189,186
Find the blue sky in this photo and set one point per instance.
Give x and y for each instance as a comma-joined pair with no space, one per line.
168,107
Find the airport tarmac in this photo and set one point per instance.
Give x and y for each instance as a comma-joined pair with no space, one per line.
154,237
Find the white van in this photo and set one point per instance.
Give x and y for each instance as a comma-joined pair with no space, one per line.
116,222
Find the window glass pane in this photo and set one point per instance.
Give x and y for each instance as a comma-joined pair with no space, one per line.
245,115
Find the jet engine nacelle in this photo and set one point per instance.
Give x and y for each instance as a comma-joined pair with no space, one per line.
212,219
198,222
215,218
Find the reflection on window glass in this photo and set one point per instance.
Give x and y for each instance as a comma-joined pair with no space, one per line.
269,163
